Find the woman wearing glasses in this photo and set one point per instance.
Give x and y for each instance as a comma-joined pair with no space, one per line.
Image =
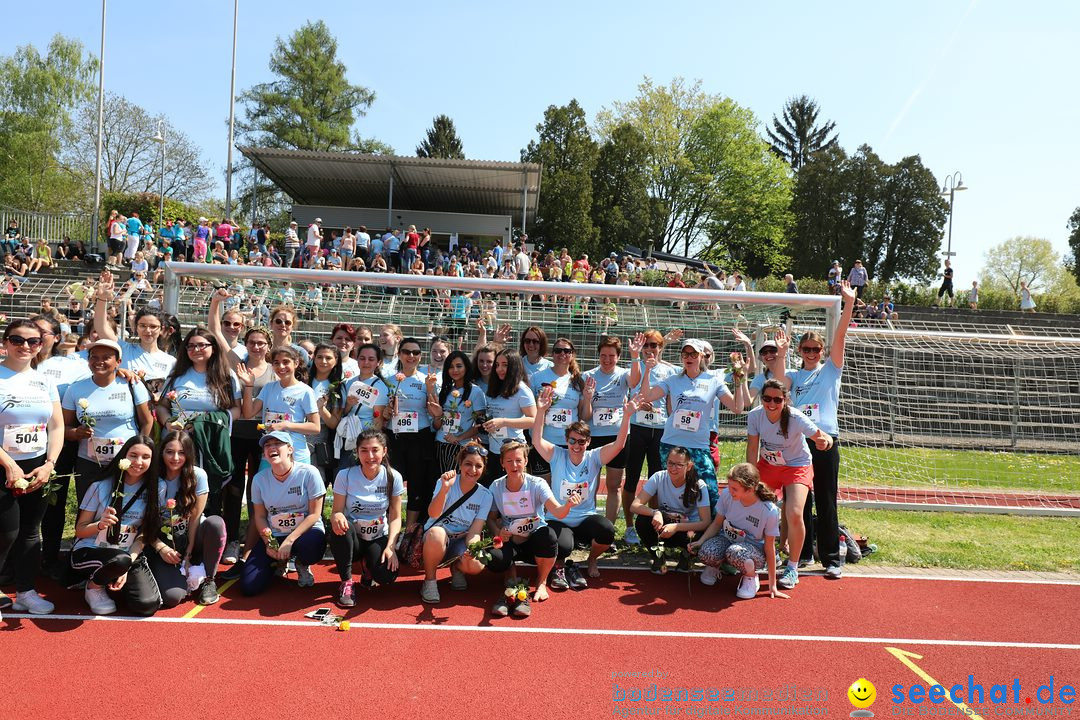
287,404
776,444
815,389
571,399
282,324
691,395
412,447
682,507
647,425
447,534
226,327
144,357
533,349
31,437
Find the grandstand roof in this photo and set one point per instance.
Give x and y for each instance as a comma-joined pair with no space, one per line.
356,180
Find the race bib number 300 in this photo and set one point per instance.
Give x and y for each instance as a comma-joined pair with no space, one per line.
523,526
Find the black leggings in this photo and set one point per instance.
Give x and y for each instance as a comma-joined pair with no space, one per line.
413,455
826,528
349,548
642,444
52,525
541,543
20,528
209,545
246,457
593,529
103,565
650,538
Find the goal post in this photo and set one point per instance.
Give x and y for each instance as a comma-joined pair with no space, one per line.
928,419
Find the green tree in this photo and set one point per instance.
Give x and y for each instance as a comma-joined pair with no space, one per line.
1028,259
442,141
622,210
568,154
798,136
742,192
665,116
311,105
37,94
819,228
1073,261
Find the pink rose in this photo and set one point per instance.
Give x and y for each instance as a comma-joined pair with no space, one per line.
170,504
171,395
400,377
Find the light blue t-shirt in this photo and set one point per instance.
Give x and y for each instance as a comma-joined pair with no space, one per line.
656,417
773,447
367,501
512,408
27,405
134,226
291,404
64,370
521,512
193,395
112,409
669,499
748,524
412,414
458,522
608,400
568,480
170,490
286,501
157,364
531,369
817,394
373,394
564,408
458,419
691,408
97,500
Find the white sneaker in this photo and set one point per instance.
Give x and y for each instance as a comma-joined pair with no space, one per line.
709,575
835,572
32,603
748,587
99,601
631,536
304,577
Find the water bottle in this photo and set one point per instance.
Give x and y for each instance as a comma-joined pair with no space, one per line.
843,547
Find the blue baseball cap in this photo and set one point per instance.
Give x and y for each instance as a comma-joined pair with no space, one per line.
279,435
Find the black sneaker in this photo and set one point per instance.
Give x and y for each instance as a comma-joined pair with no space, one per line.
557,581
659,565
207,593
684,563
234,572
522,608
345,594
501,608
574,577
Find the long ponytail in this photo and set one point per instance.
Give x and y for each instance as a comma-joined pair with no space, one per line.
691,493
747,476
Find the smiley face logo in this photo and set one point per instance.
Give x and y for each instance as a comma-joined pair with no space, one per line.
862,693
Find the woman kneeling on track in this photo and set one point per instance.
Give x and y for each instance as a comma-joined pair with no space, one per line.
456,518
783,459
743,533
517,504
682,507
118,518
367,517
575,473
288,500
192,543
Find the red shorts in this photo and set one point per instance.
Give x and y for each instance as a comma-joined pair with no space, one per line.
778,477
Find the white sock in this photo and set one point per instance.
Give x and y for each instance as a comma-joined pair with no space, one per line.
793,564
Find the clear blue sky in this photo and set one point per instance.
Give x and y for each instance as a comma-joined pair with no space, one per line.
987,87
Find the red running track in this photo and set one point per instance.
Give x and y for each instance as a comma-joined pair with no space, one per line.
562,665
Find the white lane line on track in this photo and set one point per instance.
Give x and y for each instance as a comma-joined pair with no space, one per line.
558,631
885,576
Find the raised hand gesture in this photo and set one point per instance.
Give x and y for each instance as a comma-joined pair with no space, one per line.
637,343
543,400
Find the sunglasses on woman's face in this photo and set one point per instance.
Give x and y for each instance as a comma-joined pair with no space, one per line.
772,399
19,341
562,351
411,353
578,441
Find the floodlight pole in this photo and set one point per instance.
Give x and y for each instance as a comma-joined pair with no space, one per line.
100,132
232,107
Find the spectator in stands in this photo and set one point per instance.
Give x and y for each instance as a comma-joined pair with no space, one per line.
857,278
75,316
946,284
836,274
522,263
292,245
973,295
313,244
392,247
363,243
789,284
134,236
1027,303
64,248
886,309
11,238
40,257
117,229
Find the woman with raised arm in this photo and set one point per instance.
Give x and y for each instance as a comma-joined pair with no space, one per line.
815,391
533,349
575,472
612,386
144,357
511,406
518,505
228,326
366,518
691,394
456,517
776,444
571,401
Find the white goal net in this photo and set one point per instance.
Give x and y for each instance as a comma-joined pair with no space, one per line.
927,419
